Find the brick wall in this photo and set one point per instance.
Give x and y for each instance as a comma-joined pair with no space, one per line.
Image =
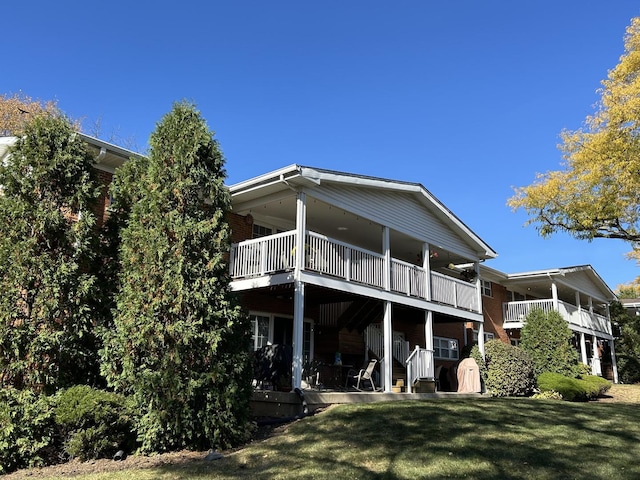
241,227
492,311
102,206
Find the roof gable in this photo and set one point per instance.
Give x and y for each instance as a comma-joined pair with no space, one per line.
404,206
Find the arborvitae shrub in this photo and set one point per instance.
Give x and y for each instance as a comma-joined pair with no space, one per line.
546,337
93,423
508,370
179,344
27,430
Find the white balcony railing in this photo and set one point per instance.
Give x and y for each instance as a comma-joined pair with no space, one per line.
276,253
516,313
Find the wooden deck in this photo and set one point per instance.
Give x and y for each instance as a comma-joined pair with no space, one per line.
275,404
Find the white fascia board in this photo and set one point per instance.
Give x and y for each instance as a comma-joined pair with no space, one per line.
110,147
560,275
5,145
488,273
269,178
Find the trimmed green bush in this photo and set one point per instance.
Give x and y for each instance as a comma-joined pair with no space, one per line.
507,370
570,388
596,386
588,387
93,423
27,430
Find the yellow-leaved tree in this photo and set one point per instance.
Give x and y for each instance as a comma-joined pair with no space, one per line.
597,195
17,109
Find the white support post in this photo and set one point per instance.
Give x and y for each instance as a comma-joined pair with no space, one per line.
388,346
428,339
614,364
386,250
481,338
426,264
387,370
476,268
583,349
298,296
596,367
554,295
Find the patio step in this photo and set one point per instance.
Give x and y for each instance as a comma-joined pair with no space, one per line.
399,386
424,385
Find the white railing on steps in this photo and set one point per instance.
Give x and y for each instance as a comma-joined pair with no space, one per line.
419,366
374,340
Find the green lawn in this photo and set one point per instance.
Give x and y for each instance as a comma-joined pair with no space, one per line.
484,438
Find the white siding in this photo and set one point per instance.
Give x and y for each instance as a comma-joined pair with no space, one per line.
581,282
400,211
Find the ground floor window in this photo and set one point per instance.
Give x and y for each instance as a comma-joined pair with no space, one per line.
260,331
445,348
268,329
487,336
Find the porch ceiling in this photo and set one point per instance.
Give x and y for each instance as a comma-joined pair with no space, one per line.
541,288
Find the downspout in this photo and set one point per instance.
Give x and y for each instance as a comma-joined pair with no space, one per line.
284,180
101,155
554,292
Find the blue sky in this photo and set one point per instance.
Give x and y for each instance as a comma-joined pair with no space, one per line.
466,97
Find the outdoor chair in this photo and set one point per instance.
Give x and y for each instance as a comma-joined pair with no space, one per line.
365,374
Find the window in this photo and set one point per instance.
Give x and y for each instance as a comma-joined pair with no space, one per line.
273,329
487,336
261,231
514,296
260,335
306,342
485,285
515,342
445,348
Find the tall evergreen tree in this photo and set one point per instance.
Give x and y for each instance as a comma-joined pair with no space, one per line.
546,337
46,242
627,342
179,344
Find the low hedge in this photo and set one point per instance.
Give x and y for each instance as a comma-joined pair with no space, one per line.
596,386
587,387
93,423
80,422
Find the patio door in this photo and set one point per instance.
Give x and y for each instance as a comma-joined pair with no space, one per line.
283,334
282,331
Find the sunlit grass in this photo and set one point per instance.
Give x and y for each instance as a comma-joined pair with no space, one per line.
460,438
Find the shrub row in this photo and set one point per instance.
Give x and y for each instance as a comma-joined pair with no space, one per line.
587,387
80,422
508,371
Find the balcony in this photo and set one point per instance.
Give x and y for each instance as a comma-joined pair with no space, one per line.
323,255
515,313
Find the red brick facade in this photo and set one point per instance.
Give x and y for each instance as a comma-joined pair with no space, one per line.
101,210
